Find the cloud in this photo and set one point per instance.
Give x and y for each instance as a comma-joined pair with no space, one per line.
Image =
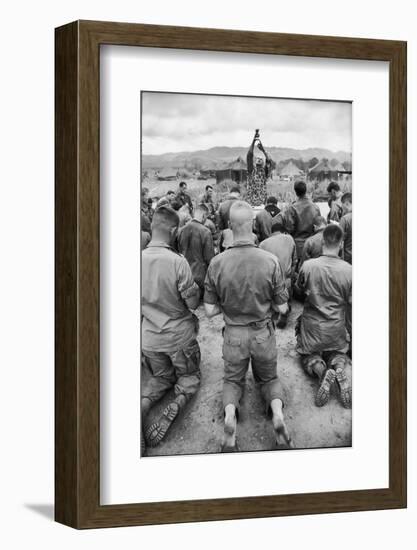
185,122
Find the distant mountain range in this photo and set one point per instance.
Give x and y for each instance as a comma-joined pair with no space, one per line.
218,156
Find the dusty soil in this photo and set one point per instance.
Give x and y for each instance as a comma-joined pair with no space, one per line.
199,428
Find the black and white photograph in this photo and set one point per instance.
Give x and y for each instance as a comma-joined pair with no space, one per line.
246,273
209,275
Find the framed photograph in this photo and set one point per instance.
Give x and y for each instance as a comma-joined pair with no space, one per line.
230,274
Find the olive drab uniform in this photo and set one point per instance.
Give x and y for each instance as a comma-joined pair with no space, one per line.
313,246
246,282
299,221
322,331
346,225
169,329
282,246
196,243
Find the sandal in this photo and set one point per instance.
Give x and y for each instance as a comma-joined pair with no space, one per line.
157,431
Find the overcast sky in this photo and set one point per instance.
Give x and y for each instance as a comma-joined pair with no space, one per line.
188,122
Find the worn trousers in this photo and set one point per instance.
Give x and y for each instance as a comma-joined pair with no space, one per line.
256,344
179,369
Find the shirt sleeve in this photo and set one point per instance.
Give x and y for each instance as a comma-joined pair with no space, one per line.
186,285
301,279
190,203
348,291
348,315
306,255
342,225
208,249
220,218
280,291
145,222
210,292
294,257
249,160
268,165
145,240
180,240
266,225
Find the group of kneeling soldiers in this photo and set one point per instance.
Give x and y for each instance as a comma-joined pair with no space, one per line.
252,287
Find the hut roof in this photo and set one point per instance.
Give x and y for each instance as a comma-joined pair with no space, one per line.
322,166
238,164
290,169
337,166
209,165
168,172
325,165
184,173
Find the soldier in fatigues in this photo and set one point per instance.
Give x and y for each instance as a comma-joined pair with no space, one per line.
335,205
313,246
346,225
196,243
169,329
282,246
247,284
300,216
322,331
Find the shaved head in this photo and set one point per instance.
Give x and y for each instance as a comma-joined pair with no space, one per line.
332,236
165,223
241,219
201,213
165,218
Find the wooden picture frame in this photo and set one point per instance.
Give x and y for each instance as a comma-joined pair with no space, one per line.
77,360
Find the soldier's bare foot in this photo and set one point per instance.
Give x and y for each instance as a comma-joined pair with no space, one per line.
278,422
230,423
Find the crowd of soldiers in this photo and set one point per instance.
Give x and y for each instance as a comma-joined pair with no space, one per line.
247,267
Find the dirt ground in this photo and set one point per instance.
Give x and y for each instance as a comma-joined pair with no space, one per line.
199,428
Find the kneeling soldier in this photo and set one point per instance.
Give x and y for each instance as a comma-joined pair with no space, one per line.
247,284
321,332
169,329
